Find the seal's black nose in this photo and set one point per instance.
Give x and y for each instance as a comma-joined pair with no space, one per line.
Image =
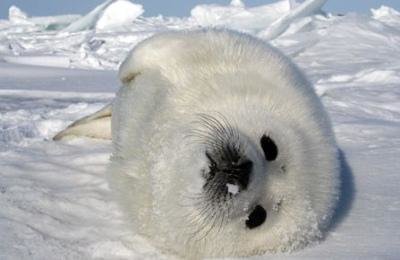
224,172
239,174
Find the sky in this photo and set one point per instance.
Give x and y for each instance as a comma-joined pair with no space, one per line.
170,7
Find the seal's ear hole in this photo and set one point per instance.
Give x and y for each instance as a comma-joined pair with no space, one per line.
269,147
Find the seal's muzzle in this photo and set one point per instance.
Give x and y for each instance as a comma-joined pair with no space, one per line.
227,171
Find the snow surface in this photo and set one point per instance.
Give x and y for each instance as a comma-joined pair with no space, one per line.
54,199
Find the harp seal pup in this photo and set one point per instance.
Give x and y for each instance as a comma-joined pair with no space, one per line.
221,147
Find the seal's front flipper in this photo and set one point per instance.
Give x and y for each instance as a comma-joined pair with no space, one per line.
97,125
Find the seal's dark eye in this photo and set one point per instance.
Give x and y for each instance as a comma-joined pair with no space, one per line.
269,148
256,217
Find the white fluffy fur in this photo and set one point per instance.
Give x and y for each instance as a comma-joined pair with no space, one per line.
156,165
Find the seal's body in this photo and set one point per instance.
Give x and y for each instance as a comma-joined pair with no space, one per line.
221,147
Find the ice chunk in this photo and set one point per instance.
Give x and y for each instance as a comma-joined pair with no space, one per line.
119,13
108,15
238,16
54,23
88,21
387,15
272,19
16,15
237,3
307,8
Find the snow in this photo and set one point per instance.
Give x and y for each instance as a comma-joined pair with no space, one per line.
54,199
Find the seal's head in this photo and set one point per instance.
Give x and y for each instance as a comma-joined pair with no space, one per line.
221,147
232,182
234,175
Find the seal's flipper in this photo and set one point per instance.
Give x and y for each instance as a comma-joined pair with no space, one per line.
97,125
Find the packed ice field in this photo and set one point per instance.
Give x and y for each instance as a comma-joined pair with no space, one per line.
54,199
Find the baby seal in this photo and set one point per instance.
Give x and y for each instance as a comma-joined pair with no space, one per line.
221,147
